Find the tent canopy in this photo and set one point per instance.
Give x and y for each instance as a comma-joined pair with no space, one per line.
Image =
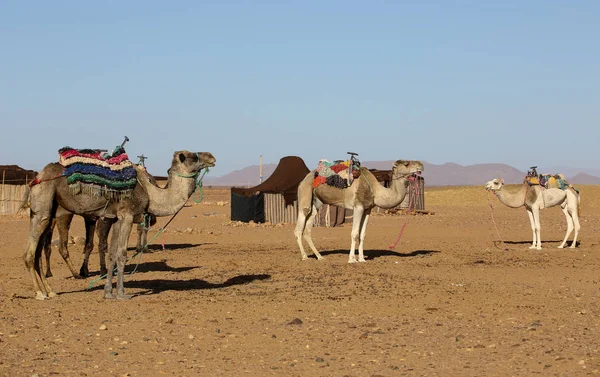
290,171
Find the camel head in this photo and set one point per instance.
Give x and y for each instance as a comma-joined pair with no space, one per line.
406,168
189,163
494,185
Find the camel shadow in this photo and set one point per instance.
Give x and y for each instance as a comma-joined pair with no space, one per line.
156,286
374,254
170,246
529,242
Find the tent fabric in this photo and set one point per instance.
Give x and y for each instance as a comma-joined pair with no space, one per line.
248,208
290,171
16,175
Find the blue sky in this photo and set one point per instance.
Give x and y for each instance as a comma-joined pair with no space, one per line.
468,82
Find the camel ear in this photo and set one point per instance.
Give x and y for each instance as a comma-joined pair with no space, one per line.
406,163
502,181
181,157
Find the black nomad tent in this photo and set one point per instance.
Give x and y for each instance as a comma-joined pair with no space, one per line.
248,204
276,199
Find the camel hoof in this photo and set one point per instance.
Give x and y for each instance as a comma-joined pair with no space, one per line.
560,247
362,260
109,296
304,258
320,257
538,248
40,296
124,297
52,294
532,247
351,260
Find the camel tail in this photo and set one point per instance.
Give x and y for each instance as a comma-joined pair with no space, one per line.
25,203
578,205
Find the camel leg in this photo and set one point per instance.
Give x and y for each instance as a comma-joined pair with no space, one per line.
63,224
536,217
532,223
48,248
38,228
102,230
142,237
304,212
112,257
569,224
363,232
355,235
90,229
573,210
308,232
123,237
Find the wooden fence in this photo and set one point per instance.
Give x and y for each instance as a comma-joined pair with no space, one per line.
11,198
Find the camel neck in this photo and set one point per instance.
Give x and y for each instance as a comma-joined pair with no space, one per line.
167,201
392,196
514,199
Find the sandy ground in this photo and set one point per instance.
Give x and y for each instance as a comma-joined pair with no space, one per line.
227,300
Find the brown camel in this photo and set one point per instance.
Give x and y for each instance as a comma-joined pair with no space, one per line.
63,221
362,196
53,190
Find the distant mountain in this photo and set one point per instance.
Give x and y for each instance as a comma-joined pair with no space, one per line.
448,174
584,179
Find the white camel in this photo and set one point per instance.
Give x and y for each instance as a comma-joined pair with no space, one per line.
362,196
535,198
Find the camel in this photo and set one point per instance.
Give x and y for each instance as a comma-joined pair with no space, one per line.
535,198
63,221
362,196
52,190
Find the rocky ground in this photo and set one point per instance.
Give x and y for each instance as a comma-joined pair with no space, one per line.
231,299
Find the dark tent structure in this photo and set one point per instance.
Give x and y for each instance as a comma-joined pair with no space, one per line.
16,175
276,199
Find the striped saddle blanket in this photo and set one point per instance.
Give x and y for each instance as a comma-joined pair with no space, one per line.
336,173
93,172
550,181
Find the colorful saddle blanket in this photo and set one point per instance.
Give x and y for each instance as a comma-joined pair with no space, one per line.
336,173
550,181
96,173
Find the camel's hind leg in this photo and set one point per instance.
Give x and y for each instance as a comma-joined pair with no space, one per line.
573,209
38,228
63,223
569,224
308,231
47,240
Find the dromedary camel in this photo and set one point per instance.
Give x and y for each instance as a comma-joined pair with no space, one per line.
535,198
362,196
53,190
62,221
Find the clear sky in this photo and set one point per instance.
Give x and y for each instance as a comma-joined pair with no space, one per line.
516,82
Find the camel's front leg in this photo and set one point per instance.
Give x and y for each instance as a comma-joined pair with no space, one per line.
532,223
112,259
299,231
102,229
536,217
363,232
124,232
356,222
574,212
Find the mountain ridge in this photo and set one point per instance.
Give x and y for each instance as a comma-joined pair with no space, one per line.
447,174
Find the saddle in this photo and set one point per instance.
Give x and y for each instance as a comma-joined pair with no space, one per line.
338,173
93,172
549,181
